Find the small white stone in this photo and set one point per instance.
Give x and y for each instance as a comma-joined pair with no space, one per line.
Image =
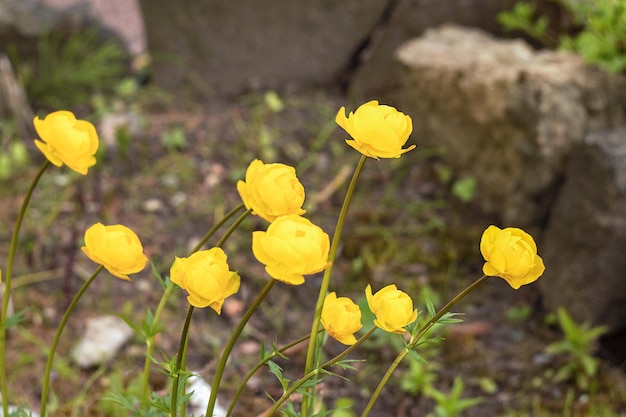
102,338
199,401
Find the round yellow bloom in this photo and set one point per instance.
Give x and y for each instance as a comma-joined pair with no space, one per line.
66,140
393,308
205,276
115,247
292,247
341,318
378,131
511,254
271,190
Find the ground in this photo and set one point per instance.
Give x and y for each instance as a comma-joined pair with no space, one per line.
173,176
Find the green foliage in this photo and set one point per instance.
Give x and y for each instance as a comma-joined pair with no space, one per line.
578,346
601,41
451,404
14,155
67,72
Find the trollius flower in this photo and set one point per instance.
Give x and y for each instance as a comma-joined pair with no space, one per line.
292,247
67,140
115,247
511,254
393,308
341,318
206,277
271,190
377,131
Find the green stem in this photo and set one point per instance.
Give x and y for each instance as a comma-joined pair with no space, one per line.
57,337
415,340
150,342
312,350
179,360
316,371
219,372
7,288
254,370
214,229
232,228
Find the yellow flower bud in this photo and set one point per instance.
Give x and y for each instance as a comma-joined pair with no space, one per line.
271,190
66,140
511,254
341,318
115,247
378,131
206,277
292,247
393,308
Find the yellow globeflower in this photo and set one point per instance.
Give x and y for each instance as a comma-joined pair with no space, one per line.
341,318
206,277
378,131
393,308
271,190
115,247
292,247
67,140
511,254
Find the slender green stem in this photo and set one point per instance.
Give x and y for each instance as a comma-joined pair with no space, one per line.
57,337
217,225
288,393
219,371
254,370
150,342
179,360
232,227
7,288
415,340
312,350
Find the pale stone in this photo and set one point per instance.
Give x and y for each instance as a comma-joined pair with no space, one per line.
101,339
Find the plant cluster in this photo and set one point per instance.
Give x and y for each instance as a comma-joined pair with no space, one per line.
598,29
291,248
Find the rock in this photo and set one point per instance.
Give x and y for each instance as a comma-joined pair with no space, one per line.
504,113
199,400
234,46
102,338
583,245
377,76
544,135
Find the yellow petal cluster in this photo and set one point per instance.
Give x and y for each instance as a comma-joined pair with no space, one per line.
206,277
341,318
115,247
67,140
378,131
292,247
271,190
511,254
393,308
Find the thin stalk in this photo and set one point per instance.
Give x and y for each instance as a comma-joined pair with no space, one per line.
7,289
57,337
415,340
312,350
254,370
219,372
217,225
179,360
150,342
316,371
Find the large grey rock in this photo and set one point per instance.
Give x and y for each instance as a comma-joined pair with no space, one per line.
585,242
229,47
544,135
377,76
504,113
